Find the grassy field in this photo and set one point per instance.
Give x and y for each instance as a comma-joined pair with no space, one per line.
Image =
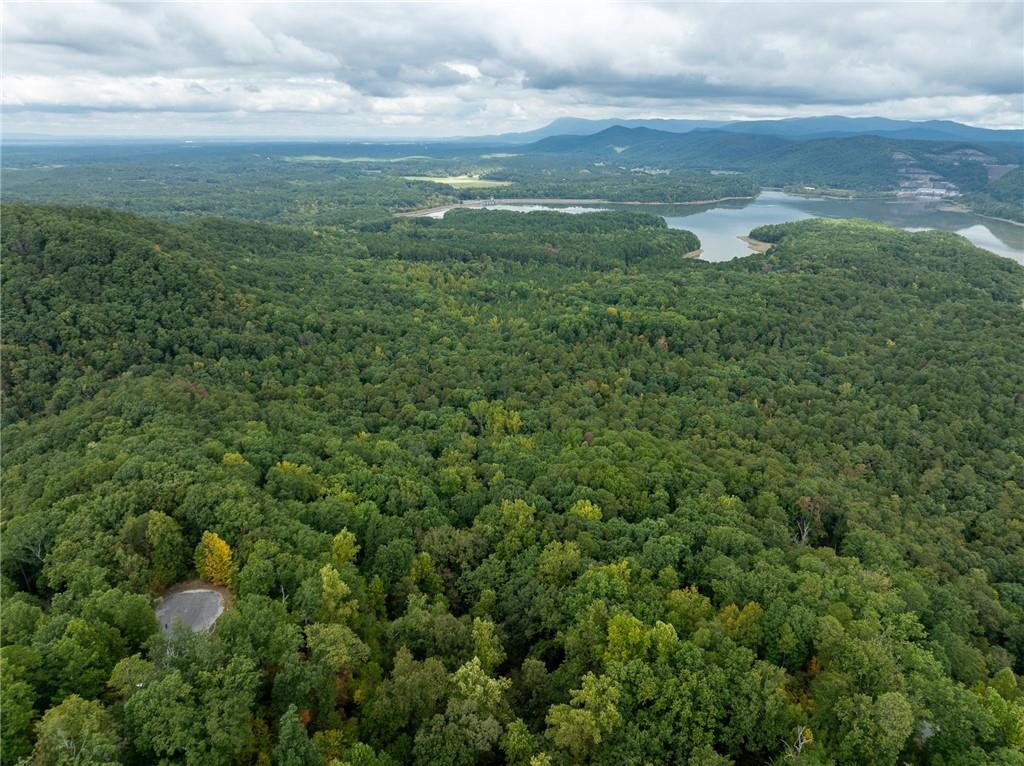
460,182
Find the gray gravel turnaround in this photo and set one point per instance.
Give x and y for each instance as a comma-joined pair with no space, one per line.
197,609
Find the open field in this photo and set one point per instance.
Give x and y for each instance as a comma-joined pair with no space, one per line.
460,182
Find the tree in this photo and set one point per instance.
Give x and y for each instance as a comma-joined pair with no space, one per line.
590,718
294,747
290,481
226,700
410,696
472,722
17,699
162,717
586,510
361,754
213,559
518,744
872,732
487,645
80,660
129,675
336,604
77,731
344,549
167,550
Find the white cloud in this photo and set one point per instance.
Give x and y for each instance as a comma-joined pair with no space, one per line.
481,67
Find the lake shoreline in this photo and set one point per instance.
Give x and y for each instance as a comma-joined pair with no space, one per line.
755,244
852,197
724,229
483,203
996,218
957,207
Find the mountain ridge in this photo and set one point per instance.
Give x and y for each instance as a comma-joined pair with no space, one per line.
827,126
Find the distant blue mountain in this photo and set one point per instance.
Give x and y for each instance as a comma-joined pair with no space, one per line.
799,128
835,126
578,126
703,149
861,161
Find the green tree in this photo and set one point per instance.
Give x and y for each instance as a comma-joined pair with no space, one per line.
873,732
588,720
336,603
472,722
76,731
167,549
344,550
294,747
487,645
18,701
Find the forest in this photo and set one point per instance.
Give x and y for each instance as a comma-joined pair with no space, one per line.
501,488
324,185
358,185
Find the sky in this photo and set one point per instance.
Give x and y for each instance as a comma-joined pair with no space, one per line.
393,70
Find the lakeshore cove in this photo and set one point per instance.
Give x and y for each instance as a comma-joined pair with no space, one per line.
722,225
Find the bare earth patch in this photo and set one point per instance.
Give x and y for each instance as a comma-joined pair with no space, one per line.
460,182
194,604
756,245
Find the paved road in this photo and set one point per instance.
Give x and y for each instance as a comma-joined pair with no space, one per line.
196,609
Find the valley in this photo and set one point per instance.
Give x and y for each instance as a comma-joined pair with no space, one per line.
536,453
719,223
433,453
511,384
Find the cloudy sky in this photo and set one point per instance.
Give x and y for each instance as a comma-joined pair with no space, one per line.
431,69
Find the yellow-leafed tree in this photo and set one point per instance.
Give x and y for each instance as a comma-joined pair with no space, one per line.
586,510
213,559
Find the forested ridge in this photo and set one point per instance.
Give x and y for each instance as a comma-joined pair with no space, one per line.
361,185
325,185
510,488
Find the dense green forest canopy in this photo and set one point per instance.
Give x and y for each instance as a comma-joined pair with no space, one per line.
858,163
510,489
1001,198
360,185
323,185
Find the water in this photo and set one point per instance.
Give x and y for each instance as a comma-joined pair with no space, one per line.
720,225
529,208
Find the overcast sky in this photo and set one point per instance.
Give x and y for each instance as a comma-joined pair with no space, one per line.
419,69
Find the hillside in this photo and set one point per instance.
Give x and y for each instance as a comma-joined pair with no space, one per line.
579,126
862,162
510,486
331,186
911,130
859,163
793,127
1002,197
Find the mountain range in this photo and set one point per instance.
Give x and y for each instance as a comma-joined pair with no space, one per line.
794,128
861,161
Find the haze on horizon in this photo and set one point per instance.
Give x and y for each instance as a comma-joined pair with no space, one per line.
333,70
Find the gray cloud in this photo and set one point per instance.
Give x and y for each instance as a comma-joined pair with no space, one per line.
441,69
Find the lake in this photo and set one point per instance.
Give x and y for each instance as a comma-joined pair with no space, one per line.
720,224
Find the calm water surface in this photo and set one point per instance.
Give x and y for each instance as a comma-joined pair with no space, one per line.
719,225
